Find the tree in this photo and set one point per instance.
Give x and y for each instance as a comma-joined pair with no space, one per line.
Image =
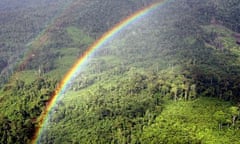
192,93
174,91
221,117
234,111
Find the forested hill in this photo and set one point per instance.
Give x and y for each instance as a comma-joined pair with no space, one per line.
29,25
171,77
21,22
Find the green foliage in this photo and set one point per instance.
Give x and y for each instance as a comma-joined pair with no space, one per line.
191,122
79,37
22,104
107,113
125,93
147,86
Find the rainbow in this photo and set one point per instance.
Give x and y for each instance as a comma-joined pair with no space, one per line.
72,73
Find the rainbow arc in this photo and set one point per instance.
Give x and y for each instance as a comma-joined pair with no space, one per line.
75,70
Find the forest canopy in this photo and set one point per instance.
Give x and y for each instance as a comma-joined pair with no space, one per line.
172,76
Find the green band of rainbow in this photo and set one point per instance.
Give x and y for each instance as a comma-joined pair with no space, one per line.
83,59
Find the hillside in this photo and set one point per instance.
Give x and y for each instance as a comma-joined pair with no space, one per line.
170,77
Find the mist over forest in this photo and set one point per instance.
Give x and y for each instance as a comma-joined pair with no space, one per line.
169,76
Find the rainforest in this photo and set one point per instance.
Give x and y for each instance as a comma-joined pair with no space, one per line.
120,71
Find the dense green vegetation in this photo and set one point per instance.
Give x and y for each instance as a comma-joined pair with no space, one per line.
20,105
172,77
